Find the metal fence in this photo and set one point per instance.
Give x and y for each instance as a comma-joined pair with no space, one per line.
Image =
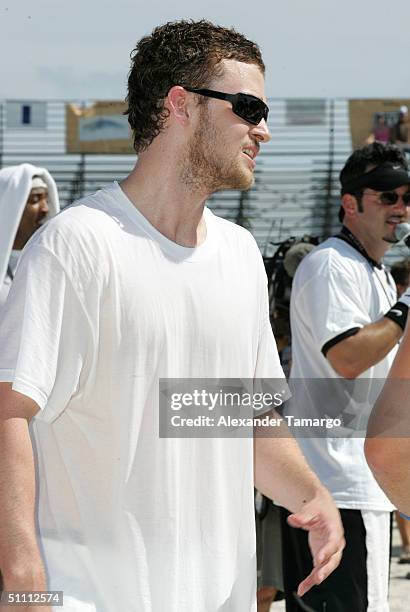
296,188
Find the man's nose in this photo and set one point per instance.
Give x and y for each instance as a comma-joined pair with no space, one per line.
261,132
44,207
401,205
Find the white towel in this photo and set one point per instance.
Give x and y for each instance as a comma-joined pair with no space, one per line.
15,187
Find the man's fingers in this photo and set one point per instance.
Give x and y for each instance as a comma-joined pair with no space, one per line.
306,585
327,551
319,574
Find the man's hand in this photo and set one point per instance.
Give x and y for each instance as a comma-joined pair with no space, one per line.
282,474
321,519
25,573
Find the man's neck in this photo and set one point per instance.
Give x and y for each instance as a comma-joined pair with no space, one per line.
375,249
19,242
172,207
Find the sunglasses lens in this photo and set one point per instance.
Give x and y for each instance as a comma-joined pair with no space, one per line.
389,198
250,108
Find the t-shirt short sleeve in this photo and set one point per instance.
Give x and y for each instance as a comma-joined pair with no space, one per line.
44,333
267,361
331,305
269,377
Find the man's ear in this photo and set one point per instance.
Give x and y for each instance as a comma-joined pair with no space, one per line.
350,205
179,104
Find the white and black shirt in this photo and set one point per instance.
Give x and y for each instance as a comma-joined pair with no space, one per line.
337,290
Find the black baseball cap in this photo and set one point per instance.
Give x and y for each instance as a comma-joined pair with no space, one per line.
385,177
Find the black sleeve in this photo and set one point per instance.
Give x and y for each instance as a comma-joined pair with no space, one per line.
346,334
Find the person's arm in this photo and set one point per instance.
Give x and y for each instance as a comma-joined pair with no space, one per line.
21,564
387,445
357,353
282,474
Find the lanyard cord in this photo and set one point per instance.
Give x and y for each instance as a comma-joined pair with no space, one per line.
347,236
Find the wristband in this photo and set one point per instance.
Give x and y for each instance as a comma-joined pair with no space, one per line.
398,313
402,305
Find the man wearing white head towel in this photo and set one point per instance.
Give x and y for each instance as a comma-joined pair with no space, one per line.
28,197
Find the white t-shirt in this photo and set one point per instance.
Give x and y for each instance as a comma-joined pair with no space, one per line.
101,307
335,291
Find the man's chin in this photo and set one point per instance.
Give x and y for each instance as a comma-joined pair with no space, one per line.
242,182
391,239
250,183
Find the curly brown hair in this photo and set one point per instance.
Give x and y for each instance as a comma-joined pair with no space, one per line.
183,53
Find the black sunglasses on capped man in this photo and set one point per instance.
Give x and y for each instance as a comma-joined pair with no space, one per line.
389,198
247,107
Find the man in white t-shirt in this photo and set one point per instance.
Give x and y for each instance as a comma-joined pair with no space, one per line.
132,284
28,197
346,324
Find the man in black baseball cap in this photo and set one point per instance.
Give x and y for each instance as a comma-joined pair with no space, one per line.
346,323
362,171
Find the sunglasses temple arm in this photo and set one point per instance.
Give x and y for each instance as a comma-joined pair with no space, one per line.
219,95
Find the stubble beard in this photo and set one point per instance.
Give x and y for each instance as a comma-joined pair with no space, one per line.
205,168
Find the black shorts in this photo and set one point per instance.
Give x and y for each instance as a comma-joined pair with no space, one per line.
269,548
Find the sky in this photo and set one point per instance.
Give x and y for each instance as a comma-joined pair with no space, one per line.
79,49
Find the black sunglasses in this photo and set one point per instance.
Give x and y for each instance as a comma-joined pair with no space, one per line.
247,107
389,198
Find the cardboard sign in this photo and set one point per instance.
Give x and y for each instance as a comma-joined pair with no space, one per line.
100,128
